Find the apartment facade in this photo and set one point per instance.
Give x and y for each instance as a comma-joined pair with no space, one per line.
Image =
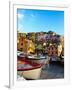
25,45
54,50
22,44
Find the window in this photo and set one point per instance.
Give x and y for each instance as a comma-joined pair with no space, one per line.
48,48
21,43
56,52
52,53
55,47
52,48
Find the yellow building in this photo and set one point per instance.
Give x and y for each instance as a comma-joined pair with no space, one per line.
31,47
22,44
54,50
20,34
25,45
62,41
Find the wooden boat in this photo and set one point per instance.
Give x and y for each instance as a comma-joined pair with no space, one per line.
29,70
39,60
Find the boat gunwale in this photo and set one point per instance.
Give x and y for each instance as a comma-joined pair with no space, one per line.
33,64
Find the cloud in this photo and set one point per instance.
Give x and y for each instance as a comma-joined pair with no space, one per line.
20,16
20,28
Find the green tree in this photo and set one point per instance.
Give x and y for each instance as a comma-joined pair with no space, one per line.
32,36
39,47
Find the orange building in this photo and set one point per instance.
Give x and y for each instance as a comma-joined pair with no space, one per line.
22,44
25,45
54,50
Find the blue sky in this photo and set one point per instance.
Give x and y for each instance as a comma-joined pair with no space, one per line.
40,20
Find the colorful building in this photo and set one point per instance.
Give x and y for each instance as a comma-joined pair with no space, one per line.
25,45
31,47
22,44
54,50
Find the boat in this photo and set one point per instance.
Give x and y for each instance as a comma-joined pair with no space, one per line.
39,60
62,59
20,54
29,70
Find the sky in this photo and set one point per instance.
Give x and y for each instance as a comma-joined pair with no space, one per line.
29,20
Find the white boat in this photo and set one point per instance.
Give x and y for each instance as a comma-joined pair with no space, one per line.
29,70
39,60
20,54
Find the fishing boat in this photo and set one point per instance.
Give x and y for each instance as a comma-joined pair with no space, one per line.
38,59
29,70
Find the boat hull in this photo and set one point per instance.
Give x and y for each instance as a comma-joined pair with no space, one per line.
31,74
43,61
39,60
29,70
